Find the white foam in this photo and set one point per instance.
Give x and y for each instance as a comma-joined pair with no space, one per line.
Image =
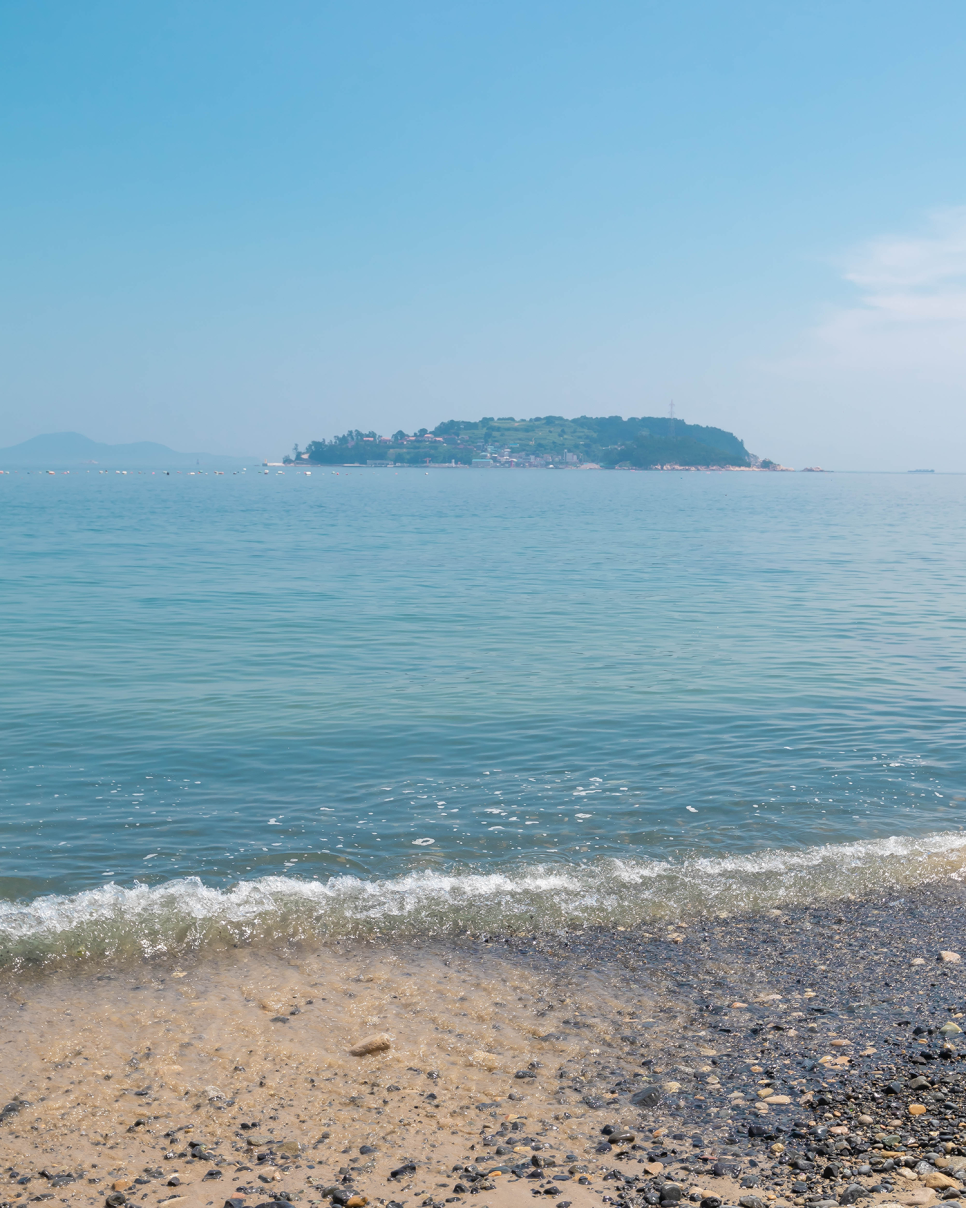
185,914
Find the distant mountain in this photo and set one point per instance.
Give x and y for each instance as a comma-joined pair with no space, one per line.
57,449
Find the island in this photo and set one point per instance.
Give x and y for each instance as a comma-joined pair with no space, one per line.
542,442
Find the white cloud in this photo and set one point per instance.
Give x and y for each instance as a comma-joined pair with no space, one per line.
881,380
912,308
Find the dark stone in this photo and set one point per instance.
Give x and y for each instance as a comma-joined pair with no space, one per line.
525,1074
400,1171
279,1019
648,1096
592,1102
367,1149
116,1199
212,1174
751,1201
852,1194
711,1201
671,1193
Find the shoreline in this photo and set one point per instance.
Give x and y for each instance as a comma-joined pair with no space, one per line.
505,1053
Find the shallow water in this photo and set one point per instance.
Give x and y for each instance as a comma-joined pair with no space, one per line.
477,700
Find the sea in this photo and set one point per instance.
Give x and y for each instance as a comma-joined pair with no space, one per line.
245,707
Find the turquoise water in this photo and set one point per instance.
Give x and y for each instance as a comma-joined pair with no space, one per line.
466,698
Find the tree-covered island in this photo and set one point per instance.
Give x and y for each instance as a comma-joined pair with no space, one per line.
650,442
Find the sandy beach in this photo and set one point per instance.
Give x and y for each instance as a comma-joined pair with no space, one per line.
771,1056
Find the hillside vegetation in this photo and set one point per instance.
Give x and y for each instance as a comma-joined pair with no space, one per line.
544,440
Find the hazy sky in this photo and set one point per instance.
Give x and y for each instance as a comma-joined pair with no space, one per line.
233,225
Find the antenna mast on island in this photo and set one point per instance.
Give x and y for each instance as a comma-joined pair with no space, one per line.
670,420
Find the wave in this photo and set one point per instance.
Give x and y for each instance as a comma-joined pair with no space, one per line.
186,915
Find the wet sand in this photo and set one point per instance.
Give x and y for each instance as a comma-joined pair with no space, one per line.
507,1054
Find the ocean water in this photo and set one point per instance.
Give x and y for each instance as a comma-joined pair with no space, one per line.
260,705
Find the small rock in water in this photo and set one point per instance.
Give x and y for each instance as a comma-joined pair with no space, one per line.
371,1044
648,1096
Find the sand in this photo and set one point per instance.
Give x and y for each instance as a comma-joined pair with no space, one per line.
118,1071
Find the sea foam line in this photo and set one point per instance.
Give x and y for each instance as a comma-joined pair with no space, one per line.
183,915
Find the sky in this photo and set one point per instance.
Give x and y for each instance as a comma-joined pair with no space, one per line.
233,226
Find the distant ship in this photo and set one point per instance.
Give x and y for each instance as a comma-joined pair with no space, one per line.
922,471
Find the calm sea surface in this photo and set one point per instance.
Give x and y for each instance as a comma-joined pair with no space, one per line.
467,698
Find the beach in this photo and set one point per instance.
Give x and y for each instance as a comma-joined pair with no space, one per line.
639,838
508,1060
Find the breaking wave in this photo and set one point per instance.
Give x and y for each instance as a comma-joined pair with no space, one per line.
186,915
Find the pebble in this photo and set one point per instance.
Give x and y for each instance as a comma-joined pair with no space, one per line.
379,1043
939,1182
950,958
649,1096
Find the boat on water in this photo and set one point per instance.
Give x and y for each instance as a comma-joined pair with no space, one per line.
922,471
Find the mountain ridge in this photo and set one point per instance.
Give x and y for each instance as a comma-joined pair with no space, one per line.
75,449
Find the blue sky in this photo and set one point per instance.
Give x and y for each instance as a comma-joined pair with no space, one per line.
231,226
